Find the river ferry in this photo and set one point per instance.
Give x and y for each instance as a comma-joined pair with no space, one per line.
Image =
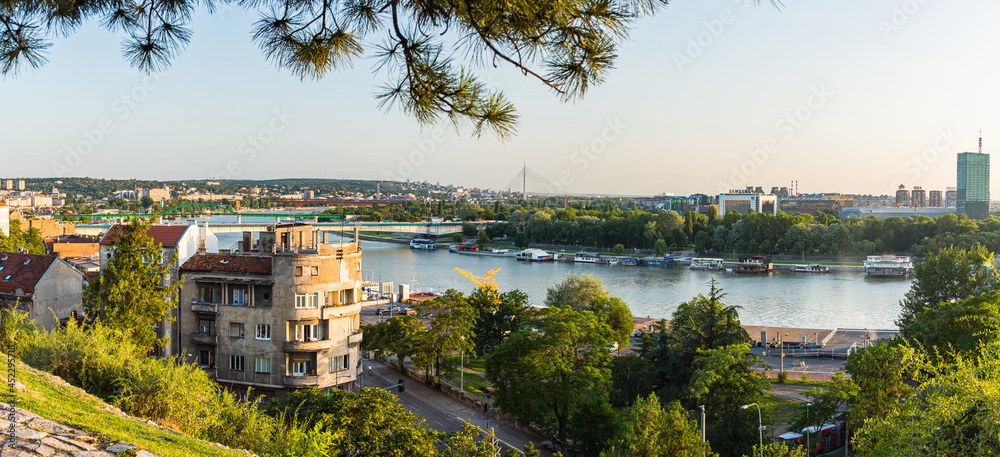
811,268
888,265
586,257
536,255
630,261
665,261
706,264
756,264
607,260
423,244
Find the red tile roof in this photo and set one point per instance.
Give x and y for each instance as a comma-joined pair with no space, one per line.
166,235
226,263
14,272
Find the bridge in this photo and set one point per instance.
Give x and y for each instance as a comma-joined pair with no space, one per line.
188,209
413,228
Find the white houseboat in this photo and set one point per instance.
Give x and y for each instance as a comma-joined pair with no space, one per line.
423,244
707,264
536,255
586,257
888,265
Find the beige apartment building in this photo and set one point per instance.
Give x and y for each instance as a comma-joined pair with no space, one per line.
276,316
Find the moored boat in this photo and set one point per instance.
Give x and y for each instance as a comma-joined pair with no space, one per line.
811,268
536,255
706,264
423,244
586,257
755,264
888,265
630,261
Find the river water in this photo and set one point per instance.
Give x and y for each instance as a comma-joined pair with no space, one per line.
781,299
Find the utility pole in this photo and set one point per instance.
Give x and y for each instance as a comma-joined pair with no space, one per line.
702,429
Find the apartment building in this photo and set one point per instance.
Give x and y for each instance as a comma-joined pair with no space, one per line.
45,287
277,316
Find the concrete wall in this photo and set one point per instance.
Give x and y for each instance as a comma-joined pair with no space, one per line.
57,295
67,250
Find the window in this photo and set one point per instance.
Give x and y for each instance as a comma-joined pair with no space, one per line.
315,271
236,362
309,332
236,329
239,297
306,301
263,331
298,271
340,362
206,358
301,367
262,365
206,326
210,294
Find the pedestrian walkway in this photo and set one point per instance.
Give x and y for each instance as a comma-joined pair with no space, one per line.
460,412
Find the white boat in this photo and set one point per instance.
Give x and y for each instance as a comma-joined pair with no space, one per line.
536,255
607,260
708,264
811,268
586,257
423,244
888,265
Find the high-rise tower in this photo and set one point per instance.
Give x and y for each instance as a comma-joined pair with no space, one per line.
974,183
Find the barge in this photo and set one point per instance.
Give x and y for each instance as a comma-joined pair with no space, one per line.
888,265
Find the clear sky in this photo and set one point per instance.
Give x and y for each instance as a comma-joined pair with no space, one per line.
847,96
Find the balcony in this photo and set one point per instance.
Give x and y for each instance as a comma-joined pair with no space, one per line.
205,338
198,306
355,338
307,346
301,381
341,310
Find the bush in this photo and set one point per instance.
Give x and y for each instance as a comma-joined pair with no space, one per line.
782,377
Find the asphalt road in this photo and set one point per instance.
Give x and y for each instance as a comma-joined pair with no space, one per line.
441,412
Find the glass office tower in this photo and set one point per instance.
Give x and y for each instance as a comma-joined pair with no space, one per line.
974,185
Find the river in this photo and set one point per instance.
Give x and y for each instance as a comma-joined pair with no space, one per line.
781,299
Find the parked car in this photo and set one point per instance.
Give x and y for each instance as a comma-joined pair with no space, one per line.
383,311
405,311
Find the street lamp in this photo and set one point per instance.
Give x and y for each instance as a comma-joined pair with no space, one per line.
808,430
702,428
760,426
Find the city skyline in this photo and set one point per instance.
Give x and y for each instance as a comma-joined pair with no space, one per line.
706,96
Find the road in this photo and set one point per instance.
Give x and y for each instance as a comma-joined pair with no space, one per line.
441,412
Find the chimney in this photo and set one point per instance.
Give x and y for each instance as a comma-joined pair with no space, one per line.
247,242
202,235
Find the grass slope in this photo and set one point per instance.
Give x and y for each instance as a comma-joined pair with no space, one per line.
79,409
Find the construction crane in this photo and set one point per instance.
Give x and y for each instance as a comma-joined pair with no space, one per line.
486,281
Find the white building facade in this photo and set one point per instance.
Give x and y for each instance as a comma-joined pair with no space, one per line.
744,202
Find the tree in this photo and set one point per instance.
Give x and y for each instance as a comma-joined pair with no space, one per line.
660,247
450,330
631,378
882,373
951,412
958,328
346,423
723,382
704,323
949,274
499,315
593,424
30,241
469,442
146,202
482,238
457,238
651,431
777,450
540,377
134,292
619,249
469,229
587,293
522,241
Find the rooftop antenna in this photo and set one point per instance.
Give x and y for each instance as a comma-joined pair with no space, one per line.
524,182
980,141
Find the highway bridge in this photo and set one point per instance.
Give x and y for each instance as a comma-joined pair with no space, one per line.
414,228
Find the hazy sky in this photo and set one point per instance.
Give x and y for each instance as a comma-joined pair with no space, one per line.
850,96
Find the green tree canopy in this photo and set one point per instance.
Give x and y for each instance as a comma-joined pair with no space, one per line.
541,377
649,430
949,274
958,328
499,315
587,293
450,330
723,382
135,293
30,241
